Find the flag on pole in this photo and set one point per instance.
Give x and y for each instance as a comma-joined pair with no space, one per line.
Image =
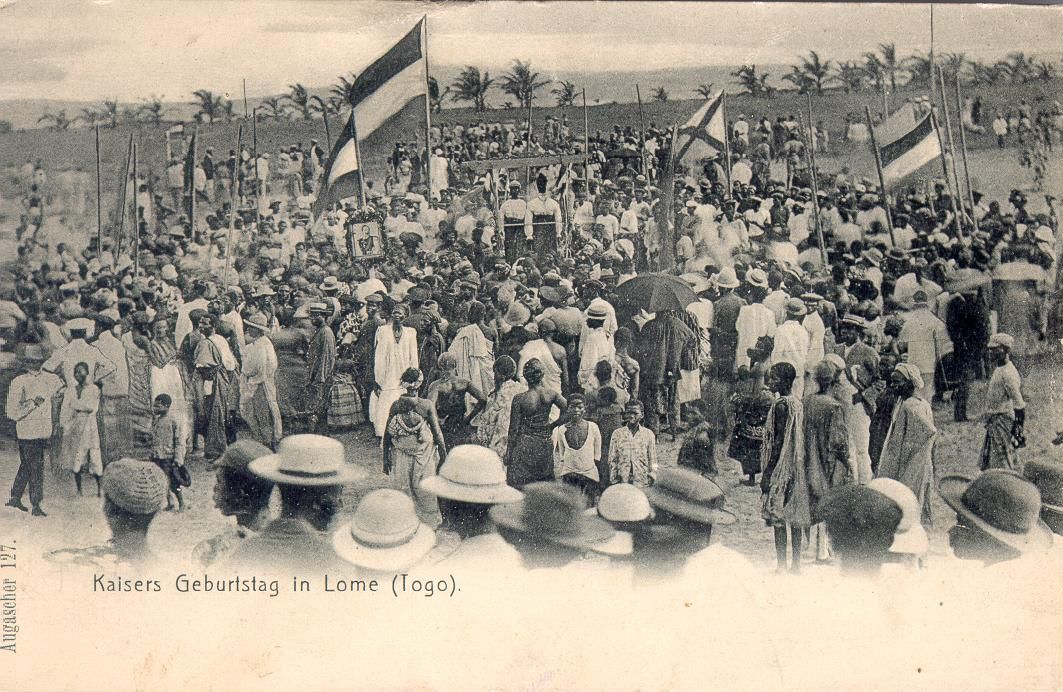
705,132
896,126
392,82
911,151
343,175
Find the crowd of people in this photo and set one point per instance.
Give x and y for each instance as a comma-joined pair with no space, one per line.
518,353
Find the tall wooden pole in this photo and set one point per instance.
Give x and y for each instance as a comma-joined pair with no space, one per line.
963,149
881,177
427,121
586,143
123,196
258,183
192,185
811,151
136,214
361,169
952,151
945,172
726,145
328,135
99,197
642,132
245,99
232,207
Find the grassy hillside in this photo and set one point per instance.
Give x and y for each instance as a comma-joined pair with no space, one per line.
75,148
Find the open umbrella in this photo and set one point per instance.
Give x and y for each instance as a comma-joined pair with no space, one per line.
656,292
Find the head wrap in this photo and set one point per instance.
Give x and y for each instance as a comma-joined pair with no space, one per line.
910,373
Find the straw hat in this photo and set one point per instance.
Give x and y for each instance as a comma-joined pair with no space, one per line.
727,278
757,277
796,308
253,323
138,487
1001,340
1001,504
474,474
384,534
310,460
910,536
554,513
689,495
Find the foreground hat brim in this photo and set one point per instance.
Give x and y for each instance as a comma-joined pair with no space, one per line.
670,502
914,541
383,559
477,494
594,533
268,467
1037,539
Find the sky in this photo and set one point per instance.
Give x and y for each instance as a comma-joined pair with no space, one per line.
127,49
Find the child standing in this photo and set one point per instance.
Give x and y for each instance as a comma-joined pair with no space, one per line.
578,449
168,446
80,430
632,450
608,416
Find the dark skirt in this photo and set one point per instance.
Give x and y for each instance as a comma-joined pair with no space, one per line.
531,458
746,451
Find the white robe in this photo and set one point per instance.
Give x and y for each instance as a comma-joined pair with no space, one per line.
391,359
594,346
754,321
791,346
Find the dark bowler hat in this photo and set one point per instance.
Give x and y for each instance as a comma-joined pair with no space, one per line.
1001,504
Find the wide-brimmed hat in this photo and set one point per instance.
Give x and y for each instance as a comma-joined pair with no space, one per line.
256,322
311,460
168,273
757,277
331,283
689,495
472,473
240,454
554,513
623,502
555,294
261,290
1048,477
795,307
1001,340
727,278
80,324
909,537
138,487
873,255
384,534
1001,504
596,312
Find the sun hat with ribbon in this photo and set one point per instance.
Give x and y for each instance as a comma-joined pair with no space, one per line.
138,487
473,474
309,460
384,534
689,495
1001,340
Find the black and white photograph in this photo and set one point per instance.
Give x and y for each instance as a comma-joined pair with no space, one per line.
530,345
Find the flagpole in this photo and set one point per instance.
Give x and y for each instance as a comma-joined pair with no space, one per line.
245,98
881,177
586,143
361,170
99,197
258,183
328,135
232,210
427,122
642,132
963,149
945,169
726,145
122,194
192,184
815,185
952,150
136,215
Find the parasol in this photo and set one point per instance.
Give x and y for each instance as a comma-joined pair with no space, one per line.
966,280
656,292
697,281
1018,271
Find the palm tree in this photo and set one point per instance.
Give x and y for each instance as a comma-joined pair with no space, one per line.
90,116
752,82
300,101
472,86
816,69
705,90
57,120
953,65
435,97
150,111
800,79
1020,67
873,68
211,107
889,62
521,83
919,68
659,95
851,76
272,108
344,89
565,93
1045,71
